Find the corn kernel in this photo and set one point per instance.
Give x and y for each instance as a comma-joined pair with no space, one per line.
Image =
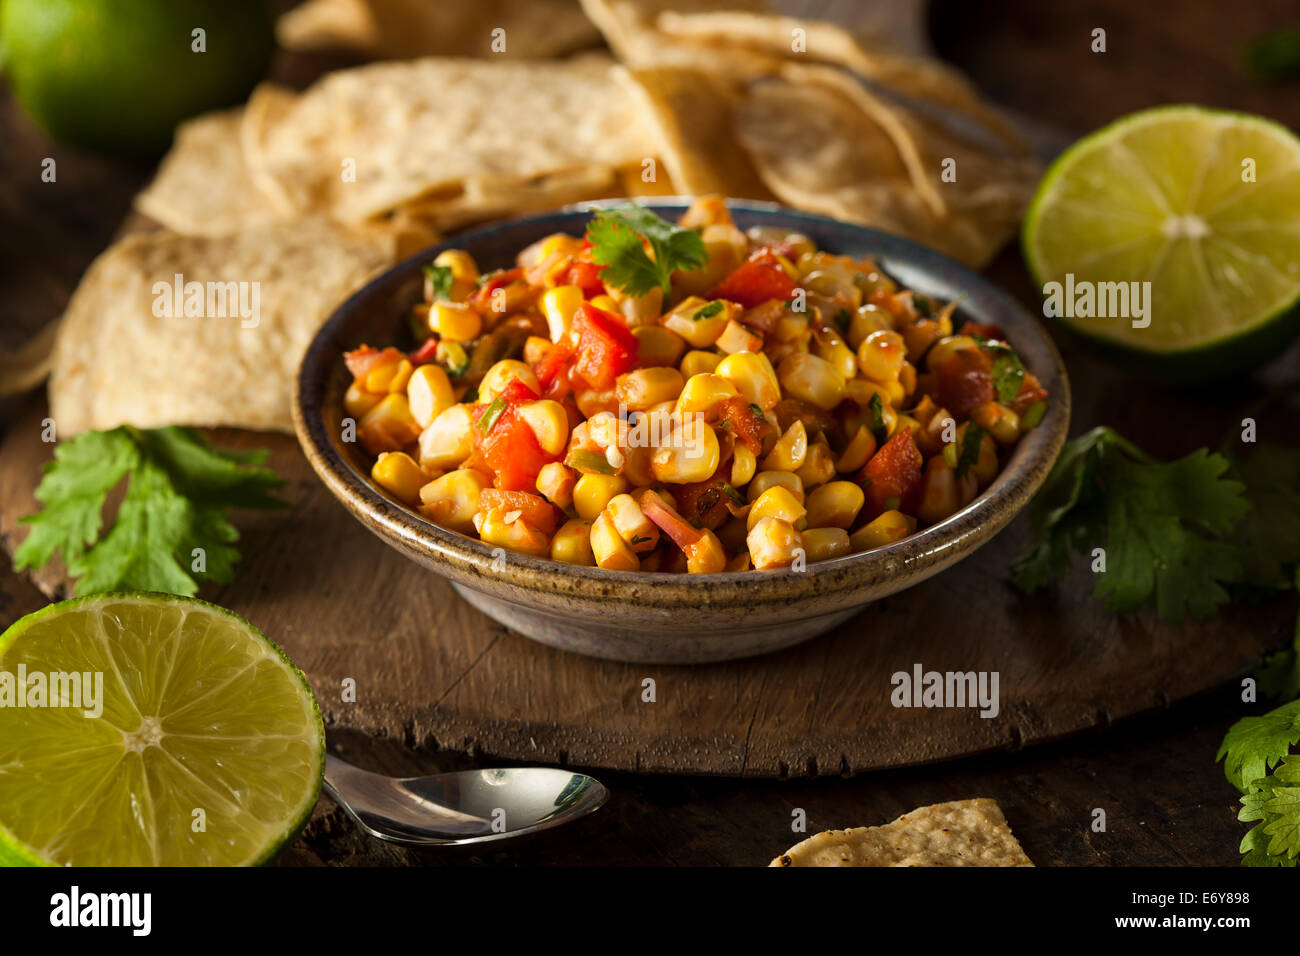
698,321
889,527
644,388
822,544
388,426
429,393
559,305
835,505
357,401
768,479
743,466
461,263
737,338
572,543
448,440
452,500
549,422
657,346
592,494
857,452
640,533
753,376
776,502
398,474
610,550
701,392
455,321
773,543
690,453
696,362
999,421
939,496
502,374
811,379
555,483
790,449
508,530
881,356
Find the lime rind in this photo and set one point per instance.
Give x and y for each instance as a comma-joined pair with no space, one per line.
1235,341
14,851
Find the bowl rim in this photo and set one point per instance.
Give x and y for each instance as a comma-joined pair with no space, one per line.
470,560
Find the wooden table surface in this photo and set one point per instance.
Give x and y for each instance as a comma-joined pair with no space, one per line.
1165,800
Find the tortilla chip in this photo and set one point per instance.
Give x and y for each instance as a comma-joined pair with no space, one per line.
483,199
849,168
918,80
202,187
401,29
116,362
691,111
267,106
362,142
960,833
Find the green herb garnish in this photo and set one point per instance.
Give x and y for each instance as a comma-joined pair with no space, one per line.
618,238
172,530
585,460
878,427
707,311
490,414
453,357
969,455
439,281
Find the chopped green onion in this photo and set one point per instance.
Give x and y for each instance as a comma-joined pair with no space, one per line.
452,357
491,414
707,311
970,449
731,492
878,427
589,461
1033,414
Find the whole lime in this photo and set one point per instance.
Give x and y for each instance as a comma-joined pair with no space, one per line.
118,75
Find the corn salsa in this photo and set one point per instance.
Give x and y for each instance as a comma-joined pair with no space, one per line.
687,398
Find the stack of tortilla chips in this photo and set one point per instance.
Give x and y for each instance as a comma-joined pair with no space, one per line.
305,194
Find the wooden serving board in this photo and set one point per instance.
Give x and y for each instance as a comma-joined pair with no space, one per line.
429,670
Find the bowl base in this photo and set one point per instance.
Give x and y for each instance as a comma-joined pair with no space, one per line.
651,644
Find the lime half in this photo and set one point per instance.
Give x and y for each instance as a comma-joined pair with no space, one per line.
1173,236
201,746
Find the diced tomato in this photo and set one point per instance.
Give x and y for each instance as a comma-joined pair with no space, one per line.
586,276
892,477
553,370
361,361
894,304
964,381
508,449
606,346
986,330
746,426
481,300
1030,391
517,392
704,502
757,279
534,509
425,353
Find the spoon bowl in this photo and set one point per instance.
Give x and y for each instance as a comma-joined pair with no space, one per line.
468,806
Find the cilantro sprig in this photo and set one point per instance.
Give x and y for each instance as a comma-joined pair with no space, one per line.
172,530
619,237
1164,526
439,281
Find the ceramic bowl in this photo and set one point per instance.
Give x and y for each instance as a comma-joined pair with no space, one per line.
659,617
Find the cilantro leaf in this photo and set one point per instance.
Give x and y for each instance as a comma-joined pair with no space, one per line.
178,492
1255,745
707,311
969,455
878,427
438,282
618,238
1268,537
1162,525
1273,801
1008,371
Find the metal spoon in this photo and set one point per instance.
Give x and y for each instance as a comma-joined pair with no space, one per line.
469,806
